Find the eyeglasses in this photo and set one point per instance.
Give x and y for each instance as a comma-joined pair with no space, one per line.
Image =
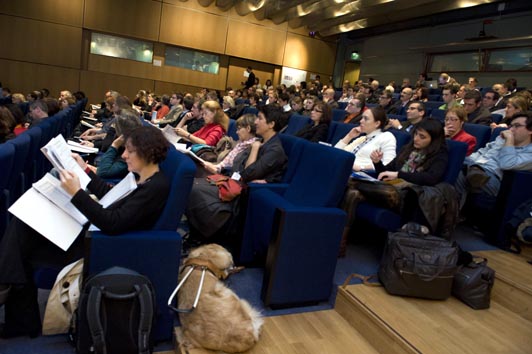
517,125
412,108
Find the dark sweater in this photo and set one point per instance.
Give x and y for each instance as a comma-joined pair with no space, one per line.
270,164
314,133
433,169
137,211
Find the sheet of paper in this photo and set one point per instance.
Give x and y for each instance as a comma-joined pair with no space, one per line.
87,124
170,134
77,147
50,187
364,176
119,191
40,214
59,154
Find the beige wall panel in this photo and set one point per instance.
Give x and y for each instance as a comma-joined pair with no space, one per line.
139,18
122,67
300,30
195,78
235,75
195,5
163,87
24,77
309,54
67,12
246,40
41,42
193,29
95,84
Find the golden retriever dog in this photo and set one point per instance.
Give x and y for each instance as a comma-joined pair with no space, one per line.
221,321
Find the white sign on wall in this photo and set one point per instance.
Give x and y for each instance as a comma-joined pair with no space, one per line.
291,76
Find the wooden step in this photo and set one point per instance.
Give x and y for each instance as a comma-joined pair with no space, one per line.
310,332
394,324
513,281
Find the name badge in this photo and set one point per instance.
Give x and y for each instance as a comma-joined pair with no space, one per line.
236,176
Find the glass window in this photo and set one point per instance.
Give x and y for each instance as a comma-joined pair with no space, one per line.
191,59
119,47
469,61
513,59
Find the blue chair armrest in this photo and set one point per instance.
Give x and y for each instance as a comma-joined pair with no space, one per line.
278,188
302,255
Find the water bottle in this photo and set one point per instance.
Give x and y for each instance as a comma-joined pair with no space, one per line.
153,116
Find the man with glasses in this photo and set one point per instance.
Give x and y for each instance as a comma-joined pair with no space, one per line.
174,113
193,120
414,115
512,150
404,99
355,108
385,101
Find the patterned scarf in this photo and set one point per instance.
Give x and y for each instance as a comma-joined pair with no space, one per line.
412,164
241,146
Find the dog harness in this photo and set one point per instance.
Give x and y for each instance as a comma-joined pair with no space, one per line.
194,264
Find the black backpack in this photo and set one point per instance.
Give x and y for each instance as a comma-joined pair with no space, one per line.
115,314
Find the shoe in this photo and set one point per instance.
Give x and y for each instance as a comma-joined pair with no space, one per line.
477,178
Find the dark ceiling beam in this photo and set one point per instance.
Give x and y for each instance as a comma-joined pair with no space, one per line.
435,19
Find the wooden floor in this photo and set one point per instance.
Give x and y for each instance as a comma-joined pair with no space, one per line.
368,320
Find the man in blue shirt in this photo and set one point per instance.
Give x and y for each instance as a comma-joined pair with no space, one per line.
512,150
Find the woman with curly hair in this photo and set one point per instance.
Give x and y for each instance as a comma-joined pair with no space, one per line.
22,248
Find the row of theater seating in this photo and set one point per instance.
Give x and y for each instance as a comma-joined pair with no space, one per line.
22,161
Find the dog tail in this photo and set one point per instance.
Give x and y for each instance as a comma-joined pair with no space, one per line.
256,319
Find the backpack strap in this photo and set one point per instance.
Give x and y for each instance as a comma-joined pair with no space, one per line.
93,319
146,318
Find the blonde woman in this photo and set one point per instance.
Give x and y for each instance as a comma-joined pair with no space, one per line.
216,125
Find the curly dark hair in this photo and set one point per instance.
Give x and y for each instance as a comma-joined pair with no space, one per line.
149,143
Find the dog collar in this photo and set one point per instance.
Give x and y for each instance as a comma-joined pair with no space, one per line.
198,262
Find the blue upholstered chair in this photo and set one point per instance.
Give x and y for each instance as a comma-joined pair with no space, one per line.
231,131
34,154
495,117
297,230
251,110
438,114
296,123
391,221
22,144
430,105
338,115
7,155
337,131
342,105
154,253
481,132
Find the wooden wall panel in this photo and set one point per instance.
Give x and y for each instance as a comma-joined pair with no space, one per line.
235,75
252,19
309,54
197,78
67,12
193,29
41,42
255,42
163,87
139,18
95,84
24,77
124,67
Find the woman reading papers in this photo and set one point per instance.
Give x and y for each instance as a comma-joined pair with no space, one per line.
22,248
